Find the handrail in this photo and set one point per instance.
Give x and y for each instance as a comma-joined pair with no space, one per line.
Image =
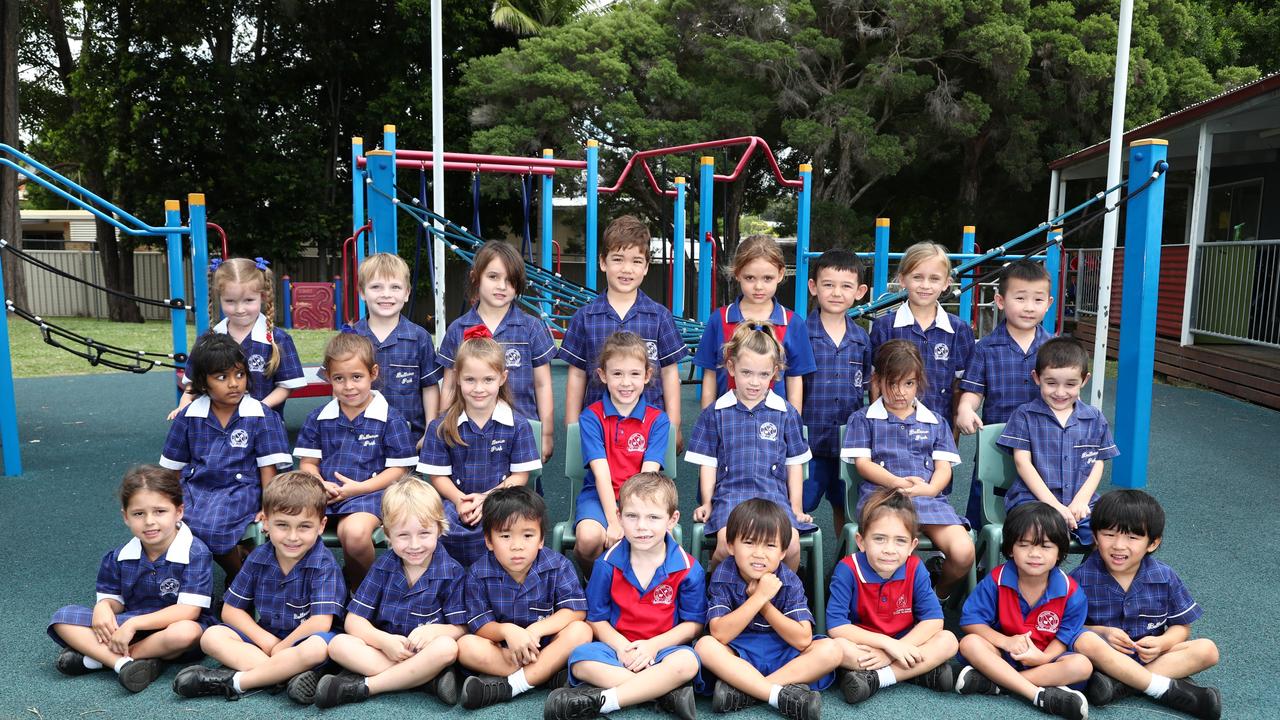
346,275
751,141
221,233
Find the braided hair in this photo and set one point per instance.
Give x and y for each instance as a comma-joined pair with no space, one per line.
248,272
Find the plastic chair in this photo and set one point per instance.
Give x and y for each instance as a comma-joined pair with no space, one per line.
575,472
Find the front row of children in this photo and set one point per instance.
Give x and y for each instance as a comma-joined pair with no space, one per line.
519,618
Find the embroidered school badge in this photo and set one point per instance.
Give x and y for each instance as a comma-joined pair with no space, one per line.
257,363
651,348
169,586
857,378
239,438
513,357
941,351
1047,621
636,443
663,595
768,431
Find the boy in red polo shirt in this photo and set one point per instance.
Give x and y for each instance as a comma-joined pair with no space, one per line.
646,601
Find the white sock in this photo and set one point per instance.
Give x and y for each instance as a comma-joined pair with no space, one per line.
121,663
518,682
773,695
886,676
92,664
610,701
235,682
1159,685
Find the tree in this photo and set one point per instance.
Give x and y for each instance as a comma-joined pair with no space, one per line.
531,17
10,218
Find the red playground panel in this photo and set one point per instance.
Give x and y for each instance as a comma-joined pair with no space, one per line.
315,387
312,305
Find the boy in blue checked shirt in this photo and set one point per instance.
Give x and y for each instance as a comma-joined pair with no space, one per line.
842,351
404,621
1140,613
761,644
524,604
998,376
295,586
1059,443
624,260
646,601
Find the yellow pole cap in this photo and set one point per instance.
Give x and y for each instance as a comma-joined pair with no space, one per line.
171,205
806,167
195,198
373,153
1055,230
680,181
970,229
708,160
1148,141
882,222
388,128
548,152
593,143
357,140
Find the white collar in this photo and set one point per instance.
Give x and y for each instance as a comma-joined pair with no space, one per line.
258,333
877,411
200,407
377,409
179,550
771,400
501,414
904,318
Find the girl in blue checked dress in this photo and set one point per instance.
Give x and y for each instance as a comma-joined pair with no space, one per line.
478,445
750,442
357,445
898,442
228,447
153,593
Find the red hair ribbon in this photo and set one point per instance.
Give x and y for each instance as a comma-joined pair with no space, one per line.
477,331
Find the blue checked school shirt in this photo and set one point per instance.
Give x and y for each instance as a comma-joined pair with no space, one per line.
795,345
283,602
182,576
387,601
727,591
378,438
257,353
1000,372
597,320
1156,598
945,348
524,339
1063,456
406,364
492,595
834,391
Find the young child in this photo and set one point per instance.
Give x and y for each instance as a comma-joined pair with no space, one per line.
524,604
624,262
154,592
944,341
758,267
761,644
245,290
358,445
294,585
882,612
496,283
998,376
1023,620
402,349
227,445
750,443
404,621
833,392
479,445
898,442
621,436
1059,443
646,602
1140,613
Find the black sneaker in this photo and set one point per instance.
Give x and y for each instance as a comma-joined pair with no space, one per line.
559,680
798,702
302,687
858,685
334,690
1103,689
70,662
679,702
201,681
1063,702
972,682
727,698
1192,699
484,690
445,686
136,675
941,679
576,703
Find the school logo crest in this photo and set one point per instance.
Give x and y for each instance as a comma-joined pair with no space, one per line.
636,443
513,357
1047,621
651,348
857,378
257,363
663,595
941,351
239,438
768,431
903,606
497,445
169,586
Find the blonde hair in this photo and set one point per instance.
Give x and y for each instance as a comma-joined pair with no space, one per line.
383,265
758,337
294,493
346,344
511,261
244,271
655,486
922,252
410,497
624,344
481,349
758,247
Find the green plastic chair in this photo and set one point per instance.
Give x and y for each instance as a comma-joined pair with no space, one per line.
575,472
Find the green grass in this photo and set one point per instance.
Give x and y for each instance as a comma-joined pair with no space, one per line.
33,358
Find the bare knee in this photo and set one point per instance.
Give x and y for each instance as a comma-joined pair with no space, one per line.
443,647
577,632
313,650
707,644
792,557
684,663
353,533
972,644
1078,664
185,633
961,552
212,638
827,650
472,646
947,643
1205,651
588,540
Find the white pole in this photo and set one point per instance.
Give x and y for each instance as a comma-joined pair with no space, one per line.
1111,223
437,152
1195,236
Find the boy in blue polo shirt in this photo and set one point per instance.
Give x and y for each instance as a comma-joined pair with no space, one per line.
295,586
1140,613
833,392
998,376
524,604
1059,443
646,602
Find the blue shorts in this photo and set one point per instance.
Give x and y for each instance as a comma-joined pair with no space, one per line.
588,507
327,636
1021,668
824,481
602,653
768,652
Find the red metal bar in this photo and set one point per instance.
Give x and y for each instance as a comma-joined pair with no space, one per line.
715,265
555,248
350,267
499,159
471,167
751,142
223,234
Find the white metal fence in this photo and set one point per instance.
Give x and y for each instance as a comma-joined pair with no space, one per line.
1237,291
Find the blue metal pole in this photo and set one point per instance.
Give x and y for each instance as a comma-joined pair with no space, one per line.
548,228
802,236
591,260
706,204
678,244
381,209
880,266
8,400
1053,266
177,284
197,220
1143,226
286,292
338,319
357,208
966,297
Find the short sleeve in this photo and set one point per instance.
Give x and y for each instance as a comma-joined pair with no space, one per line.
963,346
1182,608
707,356
842,597
798,451
328,590
691,601
541,346
524,451
924,601
569,594
398,444
241,592
1017,432
289,371
880,333
800,360
719,599
1073,617
573,347
656,444
944,444
197,580
272,444
434,459
479,609
1106,443
367,597
980,607
108,585
452,598
791,601
857,437
448,349
671,347
975,372
599,595
592,434
177,447
308,445
428,364
704,442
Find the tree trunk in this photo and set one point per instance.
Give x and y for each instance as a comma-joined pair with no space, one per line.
15,284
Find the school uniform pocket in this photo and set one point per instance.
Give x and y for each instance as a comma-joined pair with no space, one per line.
1086,453
402,377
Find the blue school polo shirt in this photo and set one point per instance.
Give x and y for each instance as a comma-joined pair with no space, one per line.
386,599
1000,372
407,364
625,442
834,390
283,602
492,595
1156,599
526,343
676,593
997,601
1063,455
795,344
945,347
889,606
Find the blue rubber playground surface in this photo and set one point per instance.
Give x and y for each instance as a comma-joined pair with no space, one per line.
1213,465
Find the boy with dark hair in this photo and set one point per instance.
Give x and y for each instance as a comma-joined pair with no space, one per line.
1140,613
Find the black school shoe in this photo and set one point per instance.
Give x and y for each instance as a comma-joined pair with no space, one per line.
445,686
334,690
70,662
858,685
679,702
727,698
302,687
1102,689
972,682
201,681
940,679
798,702
1063,702
1192,699
576,703
136,675
484,690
